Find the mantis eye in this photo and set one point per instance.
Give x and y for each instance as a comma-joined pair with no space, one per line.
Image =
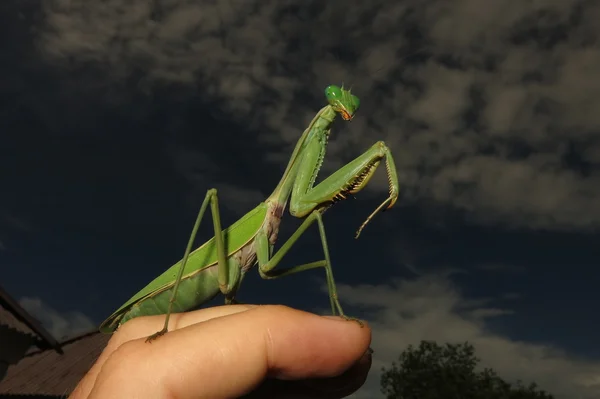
333,93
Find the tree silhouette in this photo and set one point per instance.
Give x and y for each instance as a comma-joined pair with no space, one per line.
432,371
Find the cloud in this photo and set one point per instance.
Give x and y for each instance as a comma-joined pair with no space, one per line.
61,326
432,308
489,110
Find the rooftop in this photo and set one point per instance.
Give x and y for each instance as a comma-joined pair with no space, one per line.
47,372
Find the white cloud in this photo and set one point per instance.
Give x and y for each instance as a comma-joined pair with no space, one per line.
432,308
60,325
268,61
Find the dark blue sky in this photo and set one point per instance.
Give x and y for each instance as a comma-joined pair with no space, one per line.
116,118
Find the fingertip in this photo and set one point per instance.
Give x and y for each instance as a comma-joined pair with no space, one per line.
305,345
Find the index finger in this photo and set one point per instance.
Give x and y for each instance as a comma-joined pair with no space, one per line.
228,356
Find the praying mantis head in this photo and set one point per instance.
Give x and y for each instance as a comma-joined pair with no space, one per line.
342,101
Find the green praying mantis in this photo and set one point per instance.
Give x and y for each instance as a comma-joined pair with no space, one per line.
219,265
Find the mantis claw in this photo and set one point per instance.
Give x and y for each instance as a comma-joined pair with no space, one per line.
359,321
156,335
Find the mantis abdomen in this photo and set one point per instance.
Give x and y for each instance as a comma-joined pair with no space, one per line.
192,292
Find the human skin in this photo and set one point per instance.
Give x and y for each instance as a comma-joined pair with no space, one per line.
230,352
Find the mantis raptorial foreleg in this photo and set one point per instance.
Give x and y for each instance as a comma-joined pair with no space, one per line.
349,179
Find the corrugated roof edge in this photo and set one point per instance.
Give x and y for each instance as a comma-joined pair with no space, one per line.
21,314
66,342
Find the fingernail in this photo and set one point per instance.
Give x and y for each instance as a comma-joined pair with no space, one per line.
339,318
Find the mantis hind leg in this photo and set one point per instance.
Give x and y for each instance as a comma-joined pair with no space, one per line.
212,199
267,264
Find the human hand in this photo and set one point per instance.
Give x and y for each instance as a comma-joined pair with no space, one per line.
231,351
